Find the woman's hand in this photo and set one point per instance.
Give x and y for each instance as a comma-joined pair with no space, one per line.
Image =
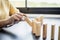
11,19
18,16
5,22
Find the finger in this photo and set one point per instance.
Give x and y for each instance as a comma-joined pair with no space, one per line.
22,14
19,16
16,18
25,15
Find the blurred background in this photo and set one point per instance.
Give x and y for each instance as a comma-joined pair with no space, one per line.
50,9
36,3
38,6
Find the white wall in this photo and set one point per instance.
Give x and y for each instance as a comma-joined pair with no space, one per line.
18,3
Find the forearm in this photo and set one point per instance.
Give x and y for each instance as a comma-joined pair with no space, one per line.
5,22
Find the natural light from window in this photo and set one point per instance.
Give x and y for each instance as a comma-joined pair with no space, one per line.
36,3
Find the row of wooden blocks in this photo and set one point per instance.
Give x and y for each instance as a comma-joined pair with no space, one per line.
36,25
52,31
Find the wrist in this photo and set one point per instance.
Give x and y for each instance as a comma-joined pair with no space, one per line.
9,22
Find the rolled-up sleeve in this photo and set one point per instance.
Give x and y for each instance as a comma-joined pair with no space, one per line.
13,9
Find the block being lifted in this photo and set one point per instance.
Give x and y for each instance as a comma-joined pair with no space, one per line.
35,24
39,19
28,21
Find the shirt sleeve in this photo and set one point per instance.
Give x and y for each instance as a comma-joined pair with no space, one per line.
13,9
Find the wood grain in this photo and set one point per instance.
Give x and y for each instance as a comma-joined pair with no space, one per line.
44,30
38,29
52,32
40,19
33,26
59,34
28,21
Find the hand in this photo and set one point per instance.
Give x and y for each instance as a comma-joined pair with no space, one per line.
11,19
15,18
18,16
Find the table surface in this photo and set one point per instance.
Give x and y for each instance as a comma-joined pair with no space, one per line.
23,31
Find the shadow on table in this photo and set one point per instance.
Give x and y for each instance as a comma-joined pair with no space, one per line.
35,38
14,36
8,33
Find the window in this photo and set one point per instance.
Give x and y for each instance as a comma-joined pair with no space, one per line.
36,3
43,3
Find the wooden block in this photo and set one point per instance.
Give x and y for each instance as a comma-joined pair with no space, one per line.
38,29
33,26
40,19
59,34
44,30
52,32
28,21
